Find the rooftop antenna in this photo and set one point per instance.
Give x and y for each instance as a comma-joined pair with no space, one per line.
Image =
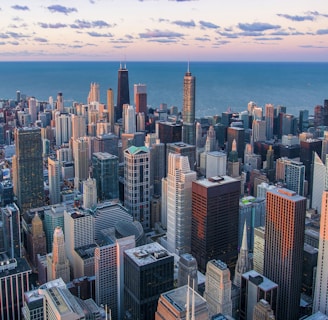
124,61
193,301
188,316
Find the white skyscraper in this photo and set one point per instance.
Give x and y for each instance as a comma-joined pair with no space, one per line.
320,300
216,164
32,109
79,128
179,185
130,119
318,185
63,128
89,193
54,181
81,160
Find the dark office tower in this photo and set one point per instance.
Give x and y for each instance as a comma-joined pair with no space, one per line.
188,112
303,121
226,118
123,93
318,115
106,143
169,132
308,147
283,249
238,134
60,102
10,217
215,216
289,125
148,272
325,112
28,168
105,171
157,163
221,134
110,108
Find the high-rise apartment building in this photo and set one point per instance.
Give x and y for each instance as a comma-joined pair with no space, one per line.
137,183
183,149
148,272
218,288
54,180
105,171
79,127
320,300
269,116
111,108
215,211
60,102
81,160
283,251
32,109
57,262
179,186
258,251
123,93
188,111
63,130
28,168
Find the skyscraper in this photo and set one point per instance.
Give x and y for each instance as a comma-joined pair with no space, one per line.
129,119
111,108
58,265
89,193
140,98
188,111
94,93
218,288
123,93
137,183
28,168
283,251
63,132
269,116
54,180
148,272
215,211
79,128
60,102
105,171
179,185
81,160
320,299
320,174
238,134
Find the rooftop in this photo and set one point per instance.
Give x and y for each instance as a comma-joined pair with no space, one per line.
265,285
148,253
214,181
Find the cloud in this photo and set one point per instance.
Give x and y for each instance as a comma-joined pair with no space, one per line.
14,43
4,36
228,35
268,38
160,34
57,25
296,18
163,40
163,20
84,24
61,9
16,35
186,24
280,33
202,39
250,34
100,35
317,14
221,42
22,8
322,31
209,25
308,46
38,39
257,26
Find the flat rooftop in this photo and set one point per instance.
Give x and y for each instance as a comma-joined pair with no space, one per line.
148,253
214,181
265,285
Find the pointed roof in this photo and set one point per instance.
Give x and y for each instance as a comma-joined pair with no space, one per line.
244,245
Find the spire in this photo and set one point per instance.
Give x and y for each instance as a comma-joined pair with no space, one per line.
244,245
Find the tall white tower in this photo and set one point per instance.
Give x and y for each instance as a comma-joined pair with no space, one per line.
320,300
89,193
129,119
179,185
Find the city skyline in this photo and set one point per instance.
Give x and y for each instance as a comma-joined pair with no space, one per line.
166,30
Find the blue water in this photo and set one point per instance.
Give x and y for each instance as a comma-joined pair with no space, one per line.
219,85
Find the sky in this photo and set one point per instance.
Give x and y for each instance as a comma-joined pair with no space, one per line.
164,30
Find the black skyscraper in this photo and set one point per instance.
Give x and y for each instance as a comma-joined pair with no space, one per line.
123,95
